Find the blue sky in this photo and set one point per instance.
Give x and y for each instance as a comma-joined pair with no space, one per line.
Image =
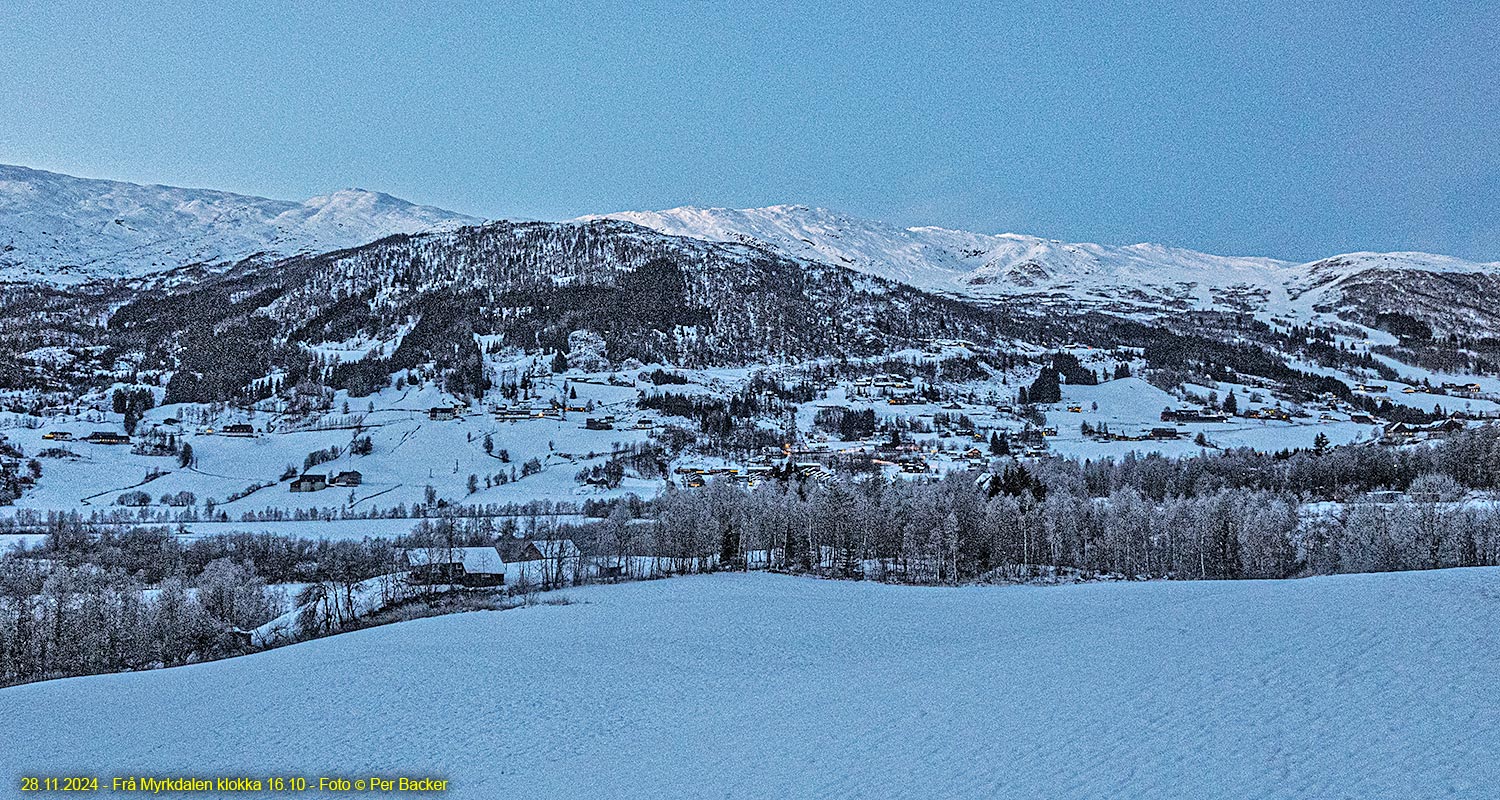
1288,129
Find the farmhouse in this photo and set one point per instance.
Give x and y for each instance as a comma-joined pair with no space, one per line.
58,436
468,566
514,562
238,429
107,437
1164,433
347,478
595,424
442,413
1462,389
1192,415
310,483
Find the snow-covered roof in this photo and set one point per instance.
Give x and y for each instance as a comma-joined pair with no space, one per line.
476,560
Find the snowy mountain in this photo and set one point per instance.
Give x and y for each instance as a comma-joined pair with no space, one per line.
60,229
961,262
1150,276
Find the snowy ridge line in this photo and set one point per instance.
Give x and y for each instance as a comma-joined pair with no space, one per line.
59,229
1008,264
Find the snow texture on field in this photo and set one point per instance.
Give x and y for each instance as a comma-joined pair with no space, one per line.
1365,686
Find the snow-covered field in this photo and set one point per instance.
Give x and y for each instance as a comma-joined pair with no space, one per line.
1361,686
410,453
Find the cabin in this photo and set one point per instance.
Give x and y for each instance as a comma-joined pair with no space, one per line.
1362,419
309,483
58,436
1370,388
107,437
442,413
645,424
1160,434
349,477
595,424
238,429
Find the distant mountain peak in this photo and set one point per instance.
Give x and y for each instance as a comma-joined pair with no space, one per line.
57,228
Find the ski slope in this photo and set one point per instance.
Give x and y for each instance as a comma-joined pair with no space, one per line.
751,686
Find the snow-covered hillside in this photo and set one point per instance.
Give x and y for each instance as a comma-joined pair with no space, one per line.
747,686
61,229
1008,264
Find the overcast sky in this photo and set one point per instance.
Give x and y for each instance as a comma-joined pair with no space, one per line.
1295,130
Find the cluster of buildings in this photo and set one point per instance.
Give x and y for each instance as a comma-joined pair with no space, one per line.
1402,432
885,385
1465,390
696,477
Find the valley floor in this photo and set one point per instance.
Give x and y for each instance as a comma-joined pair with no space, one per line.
757,685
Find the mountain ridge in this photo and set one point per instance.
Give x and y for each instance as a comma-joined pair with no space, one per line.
994,266
61,229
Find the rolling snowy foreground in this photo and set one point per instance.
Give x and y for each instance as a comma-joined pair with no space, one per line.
763,686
